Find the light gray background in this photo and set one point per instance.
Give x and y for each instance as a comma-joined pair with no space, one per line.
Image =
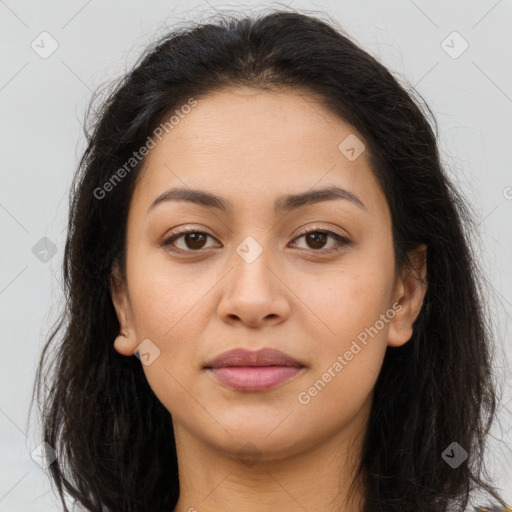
43,103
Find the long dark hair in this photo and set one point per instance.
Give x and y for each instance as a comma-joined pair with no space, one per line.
113,438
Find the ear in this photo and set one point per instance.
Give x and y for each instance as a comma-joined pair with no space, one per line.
410,291
118,290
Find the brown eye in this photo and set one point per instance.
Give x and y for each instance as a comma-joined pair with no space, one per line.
317,239
195,240
191,241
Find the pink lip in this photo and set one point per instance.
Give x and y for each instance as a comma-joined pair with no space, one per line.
245,370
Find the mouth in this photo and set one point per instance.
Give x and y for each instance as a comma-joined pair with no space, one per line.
245,370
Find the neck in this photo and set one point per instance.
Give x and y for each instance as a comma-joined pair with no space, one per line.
317,479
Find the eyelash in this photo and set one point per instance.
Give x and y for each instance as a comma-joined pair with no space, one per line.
341,240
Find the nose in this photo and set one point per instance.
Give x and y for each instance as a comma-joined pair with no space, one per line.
253,294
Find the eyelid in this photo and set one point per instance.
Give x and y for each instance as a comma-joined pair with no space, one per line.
314,229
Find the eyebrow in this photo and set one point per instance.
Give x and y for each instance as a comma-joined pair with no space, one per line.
282,204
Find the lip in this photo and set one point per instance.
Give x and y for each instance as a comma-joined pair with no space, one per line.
261,357
245,370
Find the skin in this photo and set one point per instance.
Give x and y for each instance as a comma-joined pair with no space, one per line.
251,147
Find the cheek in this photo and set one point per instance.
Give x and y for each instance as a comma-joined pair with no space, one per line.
349,299
165,297
170,313
349,353
348,360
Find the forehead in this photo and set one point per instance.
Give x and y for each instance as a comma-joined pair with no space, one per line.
256,144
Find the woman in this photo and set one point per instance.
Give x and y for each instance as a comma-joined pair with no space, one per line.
262,219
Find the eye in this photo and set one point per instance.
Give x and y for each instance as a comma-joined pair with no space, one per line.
193,240
317,238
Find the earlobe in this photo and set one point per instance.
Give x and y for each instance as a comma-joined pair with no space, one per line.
411,290
125,342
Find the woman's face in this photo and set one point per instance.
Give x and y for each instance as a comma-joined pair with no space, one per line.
250,278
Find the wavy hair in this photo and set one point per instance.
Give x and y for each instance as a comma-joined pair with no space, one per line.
113,437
